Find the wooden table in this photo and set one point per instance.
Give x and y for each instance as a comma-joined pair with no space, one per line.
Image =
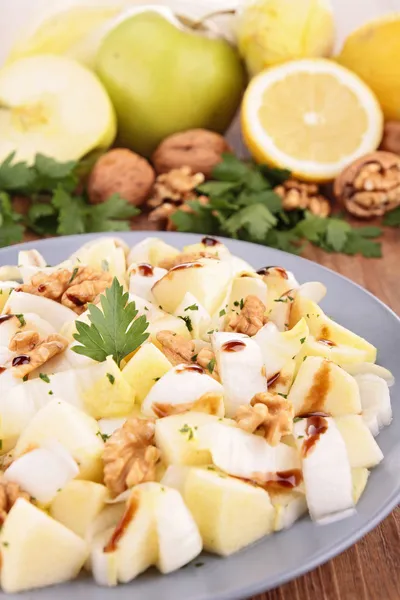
369,570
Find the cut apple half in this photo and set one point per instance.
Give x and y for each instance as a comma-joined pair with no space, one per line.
53,106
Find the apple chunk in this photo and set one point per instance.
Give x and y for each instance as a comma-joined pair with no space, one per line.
144,369
229,513
207,279
37,550
362,449
322,386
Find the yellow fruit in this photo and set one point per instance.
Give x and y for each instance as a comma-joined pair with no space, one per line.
313,117
271,32
144,369
373,52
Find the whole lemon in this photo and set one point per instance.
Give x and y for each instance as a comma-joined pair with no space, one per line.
373,52
271,32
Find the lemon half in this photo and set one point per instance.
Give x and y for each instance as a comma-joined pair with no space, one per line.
312,117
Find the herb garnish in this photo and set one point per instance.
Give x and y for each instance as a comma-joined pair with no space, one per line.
188,322
44,377
104,436
243,204
21,320
74,274
188,430
114,330
192,307
110,378
211,365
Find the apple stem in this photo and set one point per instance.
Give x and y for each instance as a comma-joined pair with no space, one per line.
216,13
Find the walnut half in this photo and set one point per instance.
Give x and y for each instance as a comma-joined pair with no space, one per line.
130,456
267,414
251,318
39,352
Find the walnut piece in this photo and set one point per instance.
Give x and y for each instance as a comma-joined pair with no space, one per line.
24,341
267,414
206,359
42,352
120,171
176,348
370,186
391,137
75,289
250,319
199,149
183,258
301,195
9,494
130,456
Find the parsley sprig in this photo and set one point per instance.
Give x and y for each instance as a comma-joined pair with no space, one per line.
57,204
113,331
243,204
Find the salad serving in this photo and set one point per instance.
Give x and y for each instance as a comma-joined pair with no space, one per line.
152,397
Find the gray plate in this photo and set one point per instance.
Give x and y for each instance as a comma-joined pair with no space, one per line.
288,554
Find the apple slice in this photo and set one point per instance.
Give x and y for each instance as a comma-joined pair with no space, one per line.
54,313
194,315
322,386
144,369
211,246
16,409
6,287
241,367
343,355
142,277
75,430
289,507
177,438
183,384
43,471
54,106
103,254
367,368
37,550
326,469
279,281
360,479
279,347
362,449
375,401
151,250
175,477
78,505
207,279
324,328
243,454
229,513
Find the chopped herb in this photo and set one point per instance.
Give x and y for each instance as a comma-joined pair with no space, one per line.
283,395
156,378
51,393
308,316
25,378
304,358
111,378
236,303
297,419
160,307
210,468
211,365
163,489
302,340
300,437
5,544
188,322
192,307
188,430
21,320
145,308
105,265
194,357
44,377
222,312
74,274
104,436
220,419
210,332
199,564
241,303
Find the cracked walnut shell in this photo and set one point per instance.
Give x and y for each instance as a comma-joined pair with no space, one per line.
391,137
370,186
121,171
301,195
199,149
269,415
130,456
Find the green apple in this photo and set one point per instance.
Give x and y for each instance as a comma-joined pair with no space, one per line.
163,78
54,106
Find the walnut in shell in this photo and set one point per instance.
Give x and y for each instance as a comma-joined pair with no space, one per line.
370,186
391,137
122,172
198,149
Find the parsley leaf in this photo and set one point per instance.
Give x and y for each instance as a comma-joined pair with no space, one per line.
71,212
192,307
111,215
336,233
211,365
188,322
11,230
392,218
114,330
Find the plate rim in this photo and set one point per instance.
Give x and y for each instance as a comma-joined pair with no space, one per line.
327,553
